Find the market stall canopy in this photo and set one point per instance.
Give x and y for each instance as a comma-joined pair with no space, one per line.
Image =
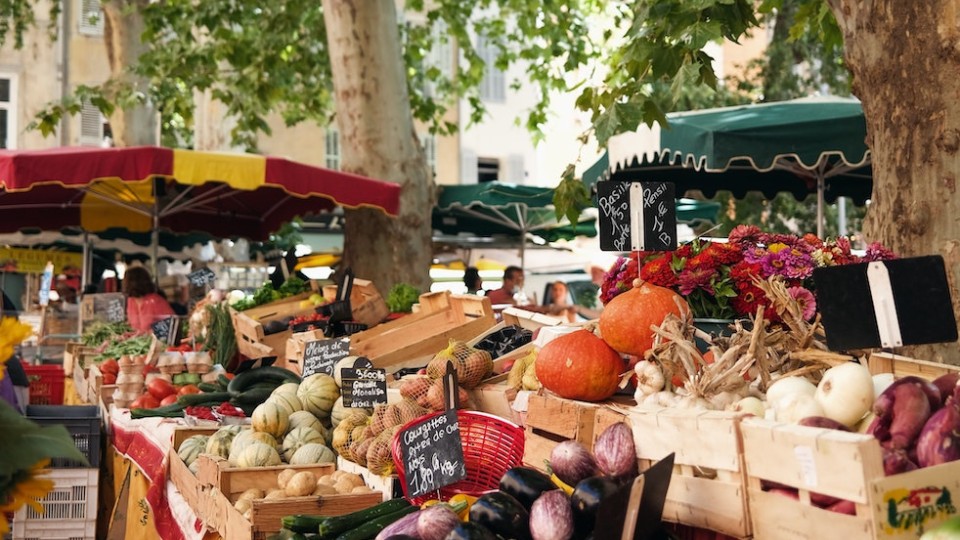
145,188
802,146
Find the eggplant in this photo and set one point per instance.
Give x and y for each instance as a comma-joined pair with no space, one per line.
502,515
471,531
526,484
586,499
551,517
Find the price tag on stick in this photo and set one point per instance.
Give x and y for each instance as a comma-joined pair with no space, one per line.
201,277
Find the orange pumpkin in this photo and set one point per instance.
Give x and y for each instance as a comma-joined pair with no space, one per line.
626,320
579,365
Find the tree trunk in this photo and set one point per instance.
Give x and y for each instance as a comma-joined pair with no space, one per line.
905,57
378,140
123,26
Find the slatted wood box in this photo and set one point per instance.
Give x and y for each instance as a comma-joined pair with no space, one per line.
367,306
550,420
249,326
185,481
71,355
708,485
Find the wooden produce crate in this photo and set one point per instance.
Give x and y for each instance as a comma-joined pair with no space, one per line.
414,339
71,356
530,320
493,395
96,390
249,326
367,306
901,366
232,481
843,465
187,484
296,347
708,486
388,485
550,420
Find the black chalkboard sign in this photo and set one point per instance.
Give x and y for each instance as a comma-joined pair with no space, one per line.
432,453
637,506
320,355
637,216
363,388
885,304
167,330
201,277
116,309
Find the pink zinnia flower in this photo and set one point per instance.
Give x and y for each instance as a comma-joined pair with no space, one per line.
746,234
693,278
808,303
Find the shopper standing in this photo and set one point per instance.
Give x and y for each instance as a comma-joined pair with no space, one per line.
144,305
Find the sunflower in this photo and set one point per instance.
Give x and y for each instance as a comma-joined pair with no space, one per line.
12,332
24,487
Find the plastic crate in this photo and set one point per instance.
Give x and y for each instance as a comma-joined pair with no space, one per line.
83,423
46,384
69,511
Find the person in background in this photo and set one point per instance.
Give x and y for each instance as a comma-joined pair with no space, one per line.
144,305
15,387
512,291
560,304
68,297
471,278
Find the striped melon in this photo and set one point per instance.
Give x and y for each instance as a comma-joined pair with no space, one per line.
309,454
219,443
346,362
192,447
245,439
271,418
318,393
258,455
286,388
288,401
297,438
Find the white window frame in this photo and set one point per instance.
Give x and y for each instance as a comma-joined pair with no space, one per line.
12,108
332,155
493,87
87,26
91,125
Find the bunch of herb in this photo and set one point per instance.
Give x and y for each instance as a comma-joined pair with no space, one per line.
121,344
293,286
221,340
99,332
402,297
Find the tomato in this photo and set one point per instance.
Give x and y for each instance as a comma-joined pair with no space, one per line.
110,366
169,400
159,388
109,378
188,389
229,376
145,401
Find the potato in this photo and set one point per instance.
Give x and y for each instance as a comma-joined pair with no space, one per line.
275,494
323,489
284,477
343,486
337,474
302,483
250,494
328,480
361,489
355,479
243,505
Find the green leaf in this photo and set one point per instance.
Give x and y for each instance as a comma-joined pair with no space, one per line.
570,197
34,443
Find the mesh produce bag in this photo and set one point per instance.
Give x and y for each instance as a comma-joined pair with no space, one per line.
472,365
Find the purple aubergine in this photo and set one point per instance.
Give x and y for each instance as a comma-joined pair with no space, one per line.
572,462
551,517
897,461
822,422
615,451
407,525
902,410
939,441
436,522
947,384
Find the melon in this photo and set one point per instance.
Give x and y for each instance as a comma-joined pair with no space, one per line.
286,388
339,412
219,443
245,439
192,447
305,419
272,418
318,393
581,366
297,438
626,320
288,401
312,453
259,455
346,362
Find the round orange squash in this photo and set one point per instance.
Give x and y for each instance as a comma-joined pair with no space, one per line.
626,320
579,365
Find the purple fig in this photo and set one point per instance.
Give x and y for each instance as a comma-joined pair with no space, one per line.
939,441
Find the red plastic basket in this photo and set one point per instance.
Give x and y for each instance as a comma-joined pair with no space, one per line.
46,384
491,447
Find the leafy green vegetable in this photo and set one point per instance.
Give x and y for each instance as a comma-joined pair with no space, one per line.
122,345
99,332
293,286
221,340
402,297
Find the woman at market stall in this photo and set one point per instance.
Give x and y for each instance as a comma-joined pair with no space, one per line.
144,305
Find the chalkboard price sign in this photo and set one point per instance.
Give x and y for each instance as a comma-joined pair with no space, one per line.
637,216
363,387
432,454
320,355
116,309
201,277
162,328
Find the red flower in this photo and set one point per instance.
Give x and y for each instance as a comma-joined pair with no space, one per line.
684,251
692,279
658,272
724,253
746,234
743,272
702,260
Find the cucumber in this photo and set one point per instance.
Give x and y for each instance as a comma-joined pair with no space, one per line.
203,398
248,378
209,387
370,529
329,526
223,382
254,396
174,410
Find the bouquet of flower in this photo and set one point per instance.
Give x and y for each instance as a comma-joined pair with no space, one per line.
717,279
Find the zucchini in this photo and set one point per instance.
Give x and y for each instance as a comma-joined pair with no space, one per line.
223,382
209,387
174,410
248,378
254,396
371,528
188,400
329,526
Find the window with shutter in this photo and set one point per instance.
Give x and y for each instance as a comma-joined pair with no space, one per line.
516,173
493,85
332,147
91,18
8,111
91,125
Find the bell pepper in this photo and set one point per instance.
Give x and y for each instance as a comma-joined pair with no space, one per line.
466,501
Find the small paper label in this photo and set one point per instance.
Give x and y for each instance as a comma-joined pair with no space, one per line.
808,466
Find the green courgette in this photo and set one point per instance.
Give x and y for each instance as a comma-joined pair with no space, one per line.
330,526
209,387
223,382
371,528
248,378
174,410
203,398
254,396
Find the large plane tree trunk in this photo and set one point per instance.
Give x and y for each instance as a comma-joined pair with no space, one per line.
378,140
135,125
905,57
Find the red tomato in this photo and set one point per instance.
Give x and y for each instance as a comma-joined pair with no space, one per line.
110,366
188,389
159,388
229,376
109,378
145,401
169,400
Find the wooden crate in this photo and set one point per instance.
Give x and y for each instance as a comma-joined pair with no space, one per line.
414,339
232,481
96,390
366,304
249,326
296,347
901,366
71,356
186,483
708,485
550,420
843,465
388,485
530,320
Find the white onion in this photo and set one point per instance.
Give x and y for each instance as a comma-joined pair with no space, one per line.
750,405
880,383
845,393
795,407
788,386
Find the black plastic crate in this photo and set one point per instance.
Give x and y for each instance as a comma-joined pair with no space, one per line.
83,423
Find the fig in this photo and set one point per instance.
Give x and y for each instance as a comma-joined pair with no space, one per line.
615,451
939,441
572,462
